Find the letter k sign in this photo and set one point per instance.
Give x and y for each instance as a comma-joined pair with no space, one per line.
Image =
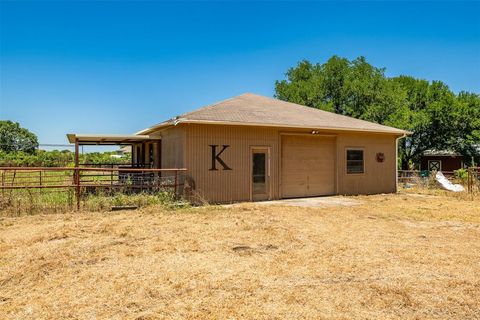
216,157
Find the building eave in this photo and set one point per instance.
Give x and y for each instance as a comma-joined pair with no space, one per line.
259,124
106,139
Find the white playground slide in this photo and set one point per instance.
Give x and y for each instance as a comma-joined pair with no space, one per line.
447,185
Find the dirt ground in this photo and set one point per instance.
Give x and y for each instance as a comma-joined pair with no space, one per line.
313,202
402,256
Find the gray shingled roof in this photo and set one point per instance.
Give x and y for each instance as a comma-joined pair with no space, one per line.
252,109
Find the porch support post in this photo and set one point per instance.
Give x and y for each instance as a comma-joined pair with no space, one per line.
76,153
132,154
76,175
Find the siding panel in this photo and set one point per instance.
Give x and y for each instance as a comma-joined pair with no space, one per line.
173,147
379,177
228,185
188,145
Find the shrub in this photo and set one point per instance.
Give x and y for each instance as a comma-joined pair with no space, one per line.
461,174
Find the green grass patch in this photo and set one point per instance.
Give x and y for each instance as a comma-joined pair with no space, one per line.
43,201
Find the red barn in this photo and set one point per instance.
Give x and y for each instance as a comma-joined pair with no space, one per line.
442,160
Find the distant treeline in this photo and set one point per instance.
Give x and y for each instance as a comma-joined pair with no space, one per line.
65,158
19,148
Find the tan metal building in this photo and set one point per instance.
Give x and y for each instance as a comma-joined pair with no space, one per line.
252,147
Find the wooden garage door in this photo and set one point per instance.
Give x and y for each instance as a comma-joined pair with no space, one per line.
308,166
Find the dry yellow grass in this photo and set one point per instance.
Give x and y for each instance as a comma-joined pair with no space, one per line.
398,256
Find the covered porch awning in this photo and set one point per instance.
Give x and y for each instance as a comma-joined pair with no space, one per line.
108,139
146,152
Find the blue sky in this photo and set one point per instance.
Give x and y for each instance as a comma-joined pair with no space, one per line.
117,67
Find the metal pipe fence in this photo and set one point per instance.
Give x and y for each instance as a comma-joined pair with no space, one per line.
84,180
409,176
472,180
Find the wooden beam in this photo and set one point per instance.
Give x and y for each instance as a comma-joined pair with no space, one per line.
76,175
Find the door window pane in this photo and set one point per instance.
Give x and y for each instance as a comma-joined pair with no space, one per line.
259,173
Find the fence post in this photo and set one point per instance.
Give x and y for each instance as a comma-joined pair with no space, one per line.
175,187
76,174
470,180
77,186
13,177
3,181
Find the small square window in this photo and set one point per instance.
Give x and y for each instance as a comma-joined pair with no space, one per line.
435,165
355,161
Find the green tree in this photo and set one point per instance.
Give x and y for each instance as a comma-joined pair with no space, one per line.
14,138
438,118
353,88
431,114
304,86
467,139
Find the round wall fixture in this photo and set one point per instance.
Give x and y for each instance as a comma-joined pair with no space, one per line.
380,157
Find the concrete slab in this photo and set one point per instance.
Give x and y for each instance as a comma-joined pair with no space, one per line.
315,202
